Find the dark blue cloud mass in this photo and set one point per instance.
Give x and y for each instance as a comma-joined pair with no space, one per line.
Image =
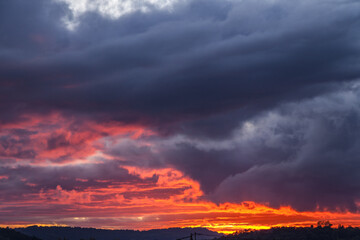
256,100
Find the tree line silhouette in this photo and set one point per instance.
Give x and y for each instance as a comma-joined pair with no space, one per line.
323,231
77,233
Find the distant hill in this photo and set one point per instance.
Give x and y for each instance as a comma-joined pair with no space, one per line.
305,233
76,233
11,234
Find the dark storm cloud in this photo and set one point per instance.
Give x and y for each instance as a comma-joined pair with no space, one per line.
25,25
160,68
303,154
213,78
322,166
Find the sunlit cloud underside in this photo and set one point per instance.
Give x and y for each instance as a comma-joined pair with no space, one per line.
222,114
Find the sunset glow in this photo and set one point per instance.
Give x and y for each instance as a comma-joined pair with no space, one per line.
221,114
141,198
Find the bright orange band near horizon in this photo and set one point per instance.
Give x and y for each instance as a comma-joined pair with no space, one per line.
157,198
108,208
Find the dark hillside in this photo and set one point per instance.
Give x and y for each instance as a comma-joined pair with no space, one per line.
11,234
77,233
307,233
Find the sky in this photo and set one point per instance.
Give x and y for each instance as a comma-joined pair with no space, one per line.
143,114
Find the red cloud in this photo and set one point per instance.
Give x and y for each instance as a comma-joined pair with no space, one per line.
55,138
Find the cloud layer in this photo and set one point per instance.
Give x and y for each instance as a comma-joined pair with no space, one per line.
253,100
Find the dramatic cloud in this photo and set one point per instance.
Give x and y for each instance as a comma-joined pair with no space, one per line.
125,105
302,154
182,65
111,9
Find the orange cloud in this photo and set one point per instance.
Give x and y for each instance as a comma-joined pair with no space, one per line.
60,139
4,177
159,198
174,201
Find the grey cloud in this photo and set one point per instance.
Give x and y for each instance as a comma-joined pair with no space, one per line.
198,72
49,177
188,64
303,154
320,139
